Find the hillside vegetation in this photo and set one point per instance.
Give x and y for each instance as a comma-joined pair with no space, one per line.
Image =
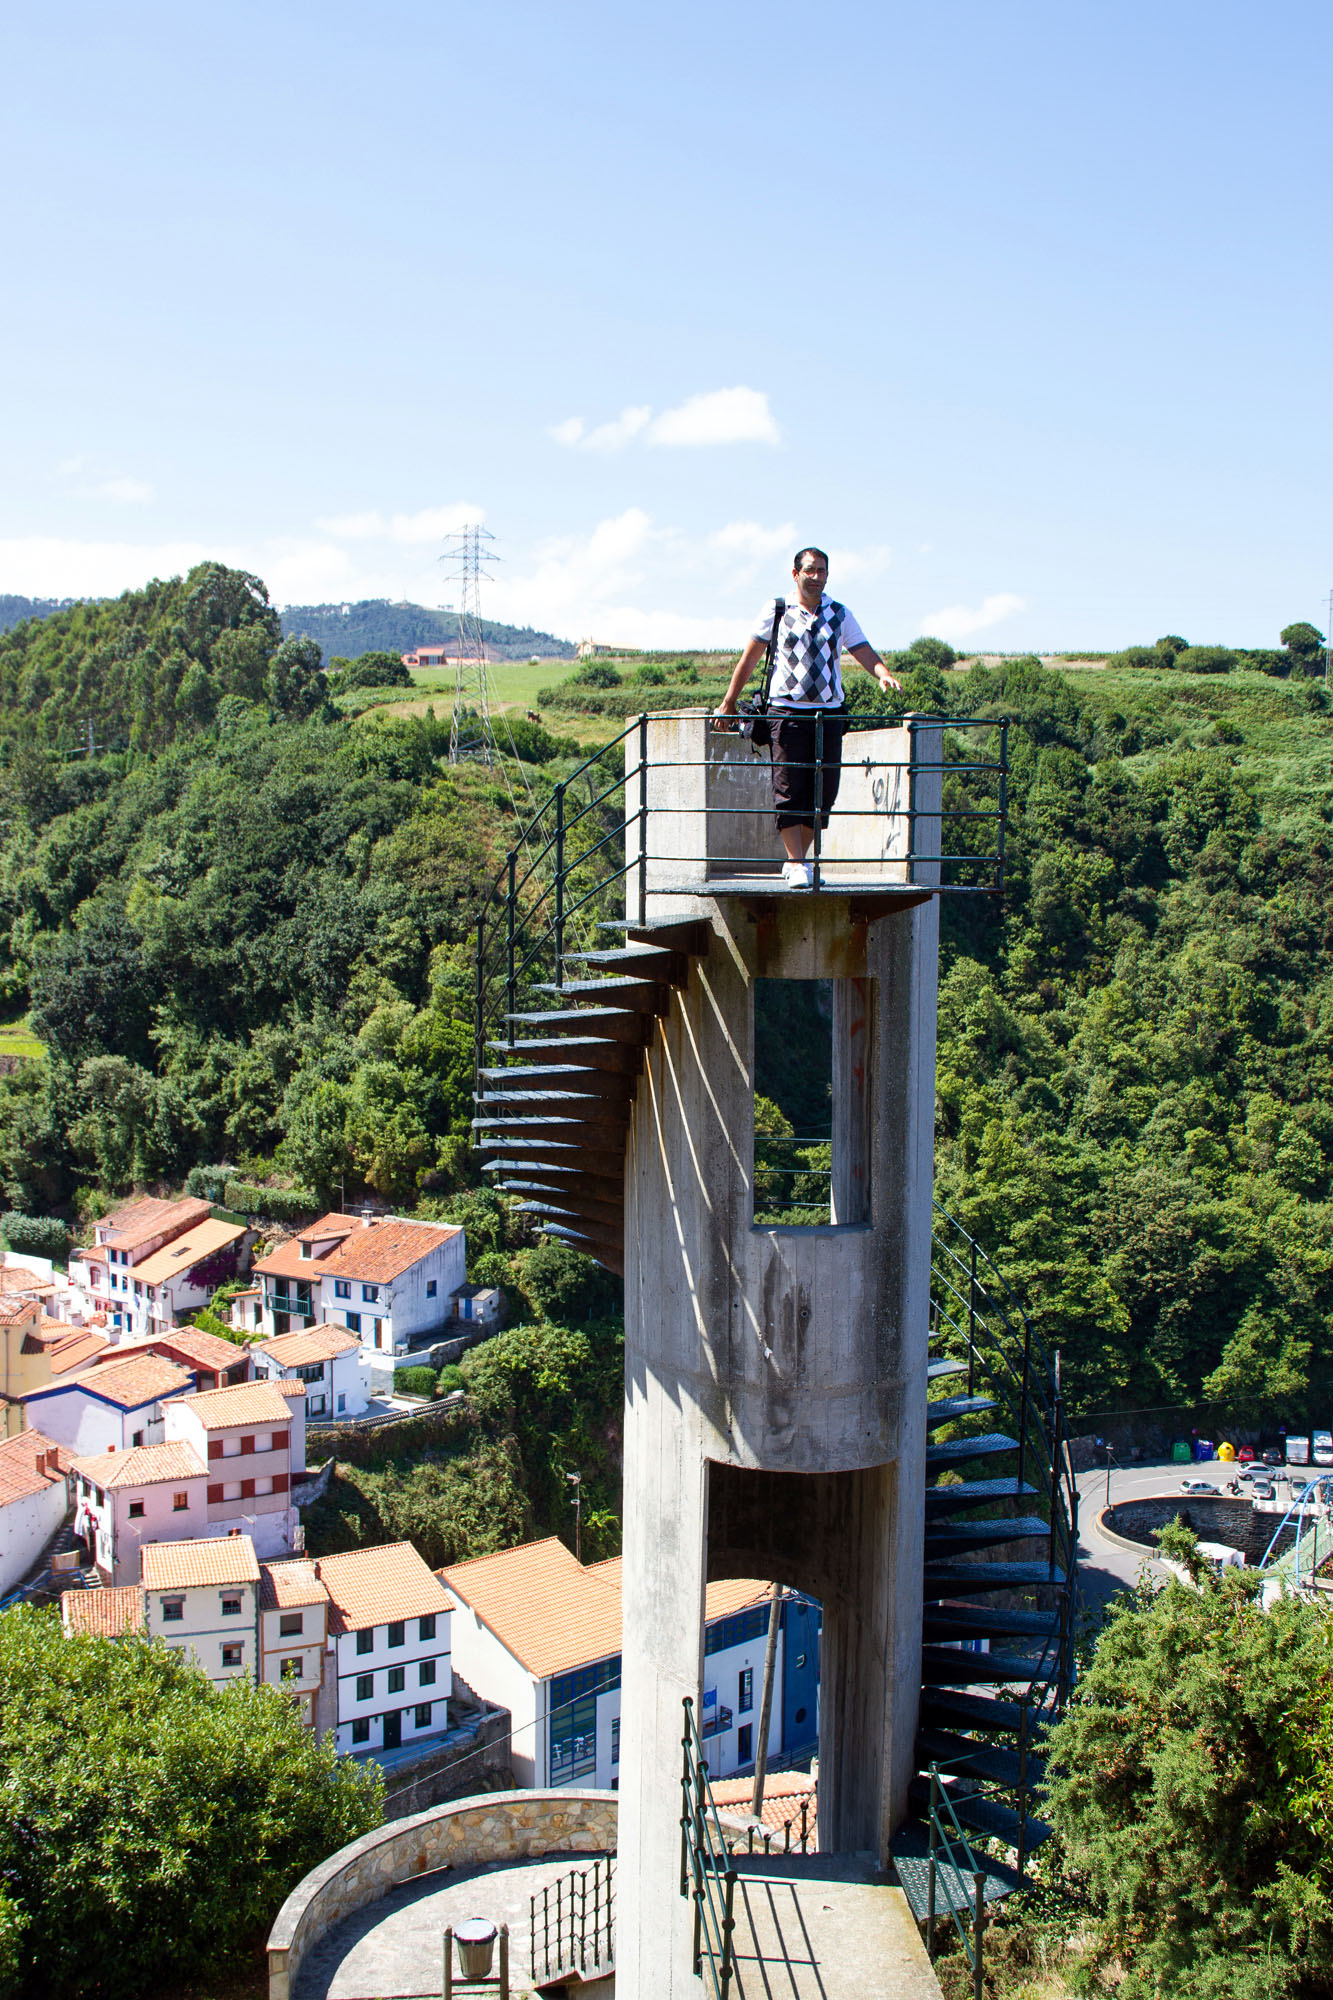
245,939
376,625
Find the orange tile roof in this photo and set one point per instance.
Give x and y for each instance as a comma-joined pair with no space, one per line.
139,1222
311,1343
17,1278
553,1613
19,1474
210,1559
784,1793
374,1254
129,1382
293,1391
91,1253
287,1586
204,1240
379,1586
14,1309
107,1614
242,1403
77,1350
195,1348
142,1465
335,1223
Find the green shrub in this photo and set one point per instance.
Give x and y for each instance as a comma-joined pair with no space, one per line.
414,1381
1171,645
451,1379
38,1235
371,670
208,1183
595,674
279,1204
1205,660
153,1824
1137,656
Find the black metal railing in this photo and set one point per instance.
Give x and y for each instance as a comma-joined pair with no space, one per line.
602,842
571,1924
954,1879
978,1317
795,1835
707,1872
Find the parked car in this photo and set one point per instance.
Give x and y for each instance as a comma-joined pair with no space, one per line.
1274,1458
1246,1454
1263,1489
1197,1486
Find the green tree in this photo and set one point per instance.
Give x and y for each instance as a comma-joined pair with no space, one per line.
153,1824
1304,644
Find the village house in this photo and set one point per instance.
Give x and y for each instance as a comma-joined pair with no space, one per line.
294,1639
124,1499
215,1363
113,1405
202,1598
389,1627
34,1499
114,1612
538,1632
152,1262
24,1355
247,1310
390,1281
327,1359
252,1440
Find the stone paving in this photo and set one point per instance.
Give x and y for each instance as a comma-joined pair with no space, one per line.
392,1949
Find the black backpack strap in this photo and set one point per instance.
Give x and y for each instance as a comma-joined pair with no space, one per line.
779,613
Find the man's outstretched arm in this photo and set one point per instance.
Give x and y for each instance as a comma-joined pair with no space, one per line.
745,666
866,656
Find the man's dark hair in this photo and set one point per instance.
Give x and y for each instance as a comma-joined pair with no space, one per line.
801,555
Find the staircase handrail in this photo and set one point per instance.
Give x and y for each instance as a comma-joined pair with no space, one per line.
707,1870
945,1831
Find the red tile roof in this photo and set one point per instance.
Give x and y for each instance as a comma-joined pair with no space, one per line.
193,1348
128,1383
142,1465
241,1403
374,1254
210,1559
379,1586
20,1459
107,1614
137,1222
784,1794
307,1344
287,1586
14,1309
78,1349
187,1249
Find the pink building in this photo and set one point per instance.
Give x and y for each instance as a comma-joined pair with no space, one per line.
252,1442
122,1499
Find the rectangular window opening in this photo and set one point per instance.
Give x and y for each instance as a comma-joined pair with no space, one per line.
812,1097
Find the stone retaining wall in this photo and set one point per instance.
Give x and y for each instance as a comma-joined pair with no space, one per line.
1224,1519
456,1771
502,1826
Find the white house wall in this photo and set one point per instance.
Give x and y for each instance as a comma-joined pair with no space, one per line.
26,1526
492,1672
350,1665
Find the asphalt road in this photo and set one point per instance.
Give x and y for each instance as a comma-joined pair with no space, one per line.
1102,1567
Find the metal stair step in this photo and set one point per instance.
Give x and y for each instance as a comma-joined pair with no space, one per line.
948,1409
588,1051
975,1493
958,1450
969,1758
950,1707
589,1110
562,1180
613,1024
935,1369
945,1538
952,1666
610,1255
965,1579
909,1851
987,1621
984,1815
578,1208
655,960
645,996
693,935
539,1077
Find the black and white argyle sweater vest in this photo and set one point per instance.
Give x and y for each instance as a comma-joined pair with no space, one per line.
805,666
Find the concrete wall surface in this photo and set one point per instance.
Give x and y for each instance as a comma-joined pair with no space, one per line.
499,1826
1226,1519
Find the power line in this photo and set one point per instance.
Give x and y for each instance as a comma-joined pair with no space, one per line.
470,733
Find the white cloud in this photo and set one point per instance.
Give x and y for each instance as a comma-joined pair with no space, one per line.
752,541
431,524
960,621
80,479
723,416
857,565
48,566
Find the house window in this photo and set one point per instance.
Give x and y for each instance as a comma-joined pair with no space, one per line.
231,1607
574,1740
421,1715
370,1294
136,1510
312,1372
317,1406
179,1502
745,1743
306,1249
173,1609
615,1739
137,1439
290,1623
426,1674
745,1692
361,1730
353,1322
396,1681
342,1401
365,1687
231,1655
365,1639
342,1288
293,1668
397,1632
426,1627
430,1288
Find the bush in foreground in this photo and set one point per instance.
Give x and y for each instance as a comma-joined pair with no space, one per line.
152,1824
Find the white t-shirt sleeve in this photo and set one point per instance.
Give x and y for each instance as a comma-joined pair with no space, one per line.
764,623
852,635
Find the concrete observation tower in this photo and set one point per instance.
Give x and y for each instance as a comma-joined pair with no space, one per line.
779,1359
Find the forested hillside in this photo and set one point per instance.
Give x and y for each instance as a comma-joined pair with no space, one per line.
374,625
245,939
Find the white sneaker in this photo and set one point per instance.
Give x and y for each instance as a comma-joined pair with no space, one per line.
797,875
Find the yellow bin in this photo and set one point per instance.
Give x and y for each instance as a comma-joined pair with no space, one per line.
1227,1452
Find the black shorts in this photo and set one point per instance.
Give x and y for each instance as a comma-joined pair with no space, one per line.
792,748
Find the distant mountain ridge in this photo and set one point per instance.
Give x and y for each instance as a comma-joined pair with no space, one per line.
376,625
13,610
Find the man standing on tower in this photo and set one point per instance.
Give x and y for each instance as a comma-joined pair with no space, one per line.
807,683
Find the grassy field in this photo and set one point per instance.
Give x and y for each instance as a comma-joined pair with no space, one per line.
17,1039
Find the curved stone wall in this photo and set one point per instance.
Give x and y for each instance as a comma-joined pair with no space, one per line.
1221,1518
492,1826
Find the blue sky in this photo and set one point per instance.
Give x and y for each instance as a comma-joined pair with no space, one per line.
1022,310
